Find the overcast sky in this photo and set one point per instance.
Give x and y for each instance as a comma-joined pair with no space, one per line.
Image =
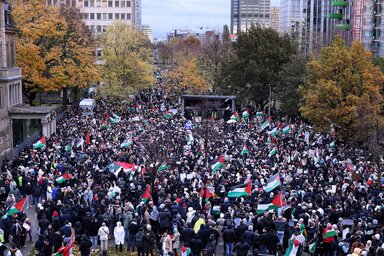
165,15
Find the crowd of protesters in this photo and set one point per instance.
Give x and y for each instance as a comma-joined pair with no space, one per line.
325,187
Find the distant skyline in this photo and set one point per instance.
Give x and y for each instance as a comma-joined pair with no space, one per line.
166,15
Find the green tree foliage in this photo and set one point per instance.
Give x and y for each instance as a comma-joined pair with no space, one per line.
343,88
127,68
291,77
226,37
259,56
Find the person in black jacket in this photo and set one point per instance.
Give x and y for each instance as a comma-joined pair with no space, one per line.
133,230
165,219
229,237
39,245
85,246
204,235
249,236
242,248
196,246
93,232
188,234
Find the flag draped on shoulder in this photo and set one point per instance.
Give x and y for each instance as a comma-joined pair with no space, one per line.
216,166
272,183
40,143
241,191
16,207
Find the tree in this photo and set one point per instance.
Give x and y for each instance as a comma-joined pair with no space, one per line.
226,37
343,88
213,56
163,52
41,29
127,68
185,78
77,62
259,56
291,78
53,48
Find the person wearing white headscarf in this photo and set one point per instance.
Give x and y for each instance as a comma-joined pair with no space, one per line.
119,235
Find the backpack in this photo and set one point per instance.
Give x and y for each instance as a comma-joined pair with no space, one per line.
139,237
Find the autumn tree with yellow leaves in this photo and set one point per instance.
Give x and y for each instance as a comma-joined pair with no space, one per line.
127,68
54,49
343,89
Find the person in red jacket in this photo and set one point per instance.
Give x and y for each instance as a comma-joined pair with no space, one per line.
65,250
329,242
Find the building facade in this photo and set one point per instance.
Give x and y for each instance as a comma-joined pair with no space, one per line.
99,14
314,23
275,18
10,77
147,30
244,13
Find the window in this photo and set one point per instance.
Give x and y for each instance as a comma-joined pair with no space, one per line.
128,16
110,16
98,16
128,3
85,16
110,3
73,3
86,3
92,15
98,3
92,3
117,3
117,16
122,16
104,16
122,3
92,28
98,28
104,28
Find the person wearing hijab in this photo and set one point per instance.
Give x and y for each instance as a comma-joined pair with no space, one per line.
166,244
103,235
176,242
119,235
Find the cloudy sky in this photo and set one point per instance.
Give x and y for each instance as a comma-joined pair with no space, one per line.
165,15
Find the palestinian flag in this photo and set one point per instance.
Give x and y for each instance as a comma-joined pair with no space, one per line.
63,178
264,125
273,132
242,191
235,116
208,194
168,115
116,167
260,114
286,129
216,166
68,148
312,247
299,134
147,194
40,143
216,210
185,251
115,119
106,123
272,183
137,107
244,151
17,207
126,143
246,114
330,233
276,203
294,245
272,152
162,167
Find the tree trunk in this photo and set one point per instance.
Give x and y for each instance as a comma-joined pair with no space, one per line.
31,98
65,98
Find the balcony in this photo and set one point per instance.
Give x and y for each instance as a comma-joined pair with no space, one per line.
334,16
343,26
10,73
339,3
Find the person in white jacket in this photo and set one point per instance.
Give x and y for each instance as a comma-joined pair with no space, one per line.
119,235
103,235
